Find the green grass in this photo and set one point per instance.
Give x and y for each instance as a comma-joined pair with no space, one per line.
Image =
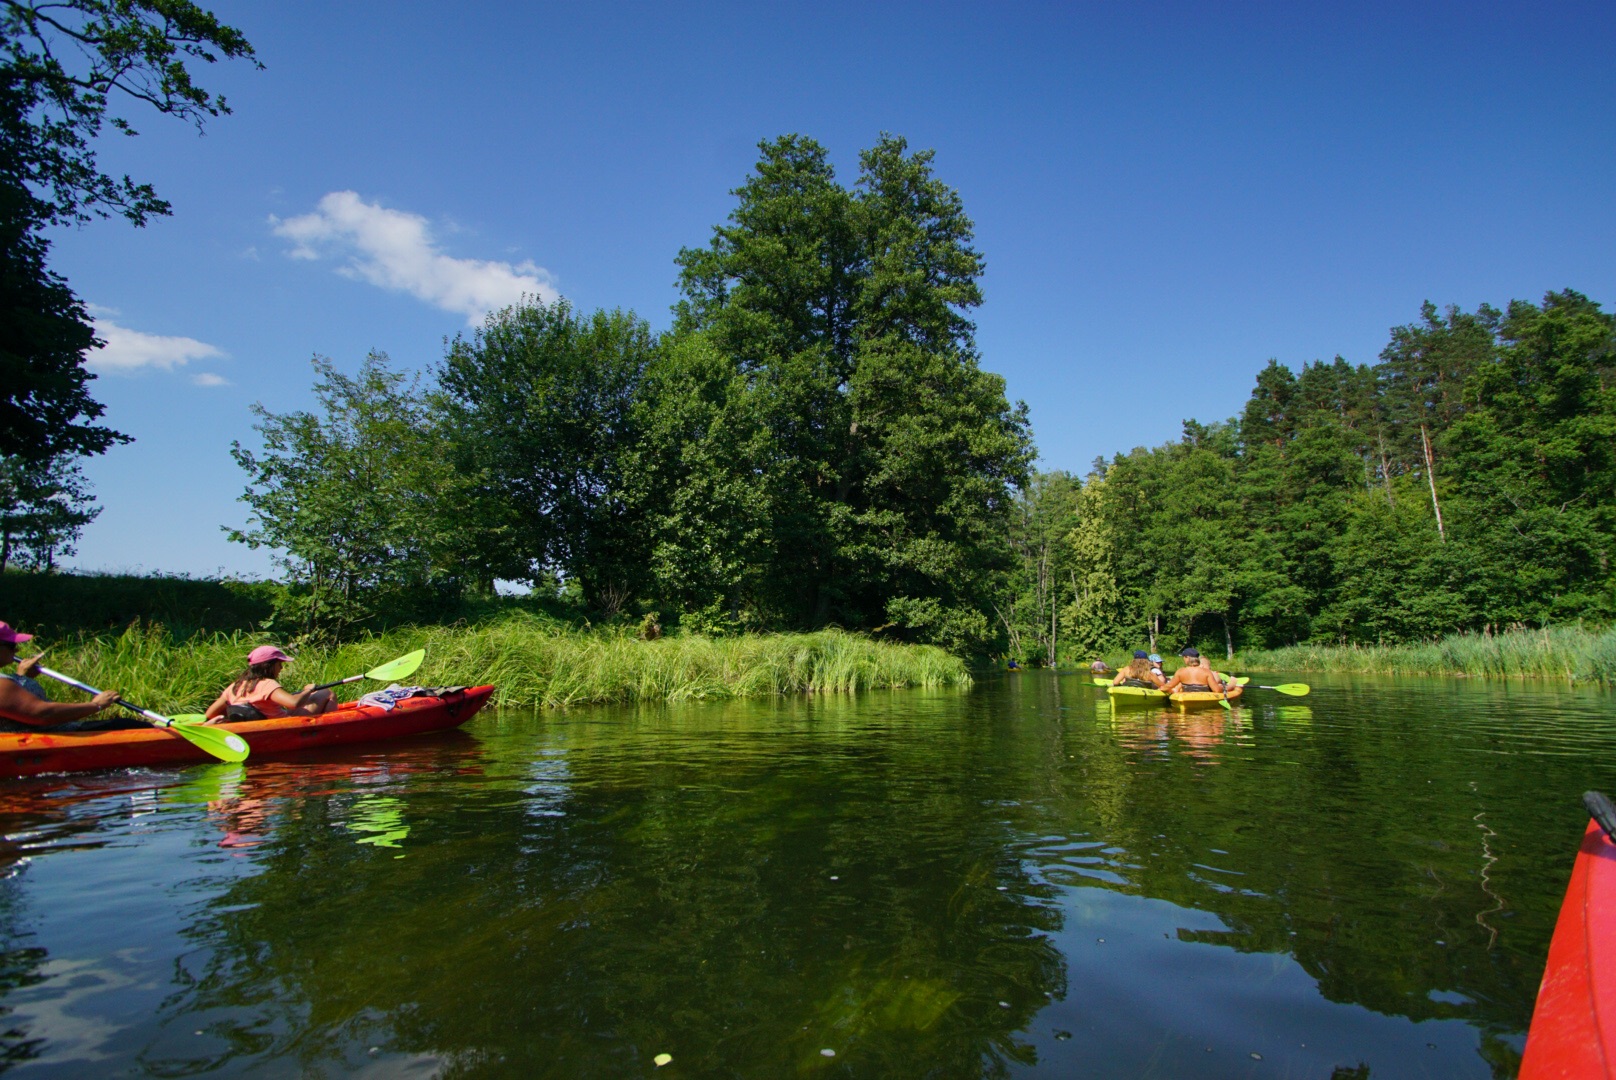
533,662
1562,652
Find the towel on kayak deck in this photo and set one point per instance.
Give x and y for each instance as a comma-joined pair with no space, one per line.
386,699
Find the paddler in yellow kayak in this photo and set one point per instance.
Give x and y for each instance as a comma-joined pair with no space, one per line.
23,704
1139,673
1196,676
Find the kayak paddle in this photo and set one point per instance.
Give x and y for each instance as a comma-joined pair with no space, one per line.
393,669
1294,689
224,745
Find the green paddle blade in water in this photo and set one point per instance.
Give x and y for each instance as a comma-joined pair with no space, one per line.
224,745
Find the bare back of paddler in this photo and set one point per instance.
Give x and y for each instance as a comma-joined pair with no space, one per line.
1196,676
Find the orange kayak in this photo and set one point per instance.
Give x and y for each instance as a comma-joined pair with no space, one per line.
1573,1031
69,751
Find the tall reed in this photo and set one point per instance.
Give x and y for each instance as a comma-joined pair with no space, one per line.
1561,652
531,661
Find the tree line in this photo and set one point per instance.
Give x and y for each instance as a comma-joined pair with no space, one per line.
813,442
1464,482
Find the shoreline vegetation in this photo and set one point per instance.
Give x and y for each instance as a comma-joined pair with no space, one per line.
533,662
1572,653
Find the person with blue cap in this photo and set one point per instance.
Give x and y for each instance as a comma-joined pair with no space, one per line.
1138,673
1196,676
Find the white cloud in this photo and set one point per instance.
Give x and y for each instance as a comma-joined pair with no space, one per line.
127,351
396,250
208,378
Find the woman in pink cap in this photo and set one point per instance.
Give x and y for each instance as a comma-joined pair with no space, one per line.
23,704
258,694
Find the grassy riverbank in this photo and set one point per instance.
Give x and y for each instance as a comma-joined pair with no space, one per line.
531,660
1563,652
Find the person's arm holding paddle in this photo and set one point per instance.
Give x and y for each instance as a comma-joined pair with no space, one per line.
21,699
258,694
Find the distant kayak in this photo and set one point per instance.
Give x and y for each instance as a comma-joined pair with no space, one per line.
44,751
1573,1031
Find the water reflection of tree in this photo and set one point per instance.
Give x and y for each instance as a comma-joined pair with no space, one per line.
1356,864
740,902
627,884
36,816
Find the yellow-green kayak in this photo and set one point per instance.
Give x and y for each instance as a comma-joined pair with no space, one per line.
1191,698
1135,695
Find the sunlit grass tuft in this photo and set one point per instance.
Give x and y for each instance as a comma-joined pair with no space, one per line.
1574,653
531,661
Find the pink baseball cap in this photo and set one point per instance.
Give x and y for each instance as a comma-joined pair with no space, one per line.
8,634
265,653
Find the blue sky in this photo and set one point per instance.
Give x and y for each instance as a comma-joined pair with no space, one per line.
1166,196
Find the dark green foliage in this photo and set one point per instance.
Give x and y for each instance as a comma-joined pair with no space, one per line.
44,507
46,411
361,503
60,64
814,444
702,481
70,57
536,411
1466,481
884,455
66,605
1046,575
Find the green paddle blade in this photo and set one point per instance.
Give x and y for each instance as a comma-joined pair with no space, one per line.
1294,689
1098,681
1225,703
397,669
222,744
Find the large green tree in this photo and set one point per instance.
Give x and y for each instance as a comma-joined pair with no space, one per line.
46,411
538,405
360,502
893,454
702,479
63,64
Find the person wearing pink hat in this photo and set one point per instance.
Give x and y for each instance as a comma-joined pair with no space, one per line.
258,694
23,704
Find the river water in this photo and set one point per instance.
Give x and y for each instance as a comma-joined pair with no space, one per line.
1014,880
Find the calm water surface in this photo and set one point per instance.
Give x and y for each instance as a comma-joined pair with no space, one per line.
1011,881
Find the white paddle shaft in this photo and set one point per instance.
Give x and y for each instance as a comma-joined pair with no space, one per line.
159,720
